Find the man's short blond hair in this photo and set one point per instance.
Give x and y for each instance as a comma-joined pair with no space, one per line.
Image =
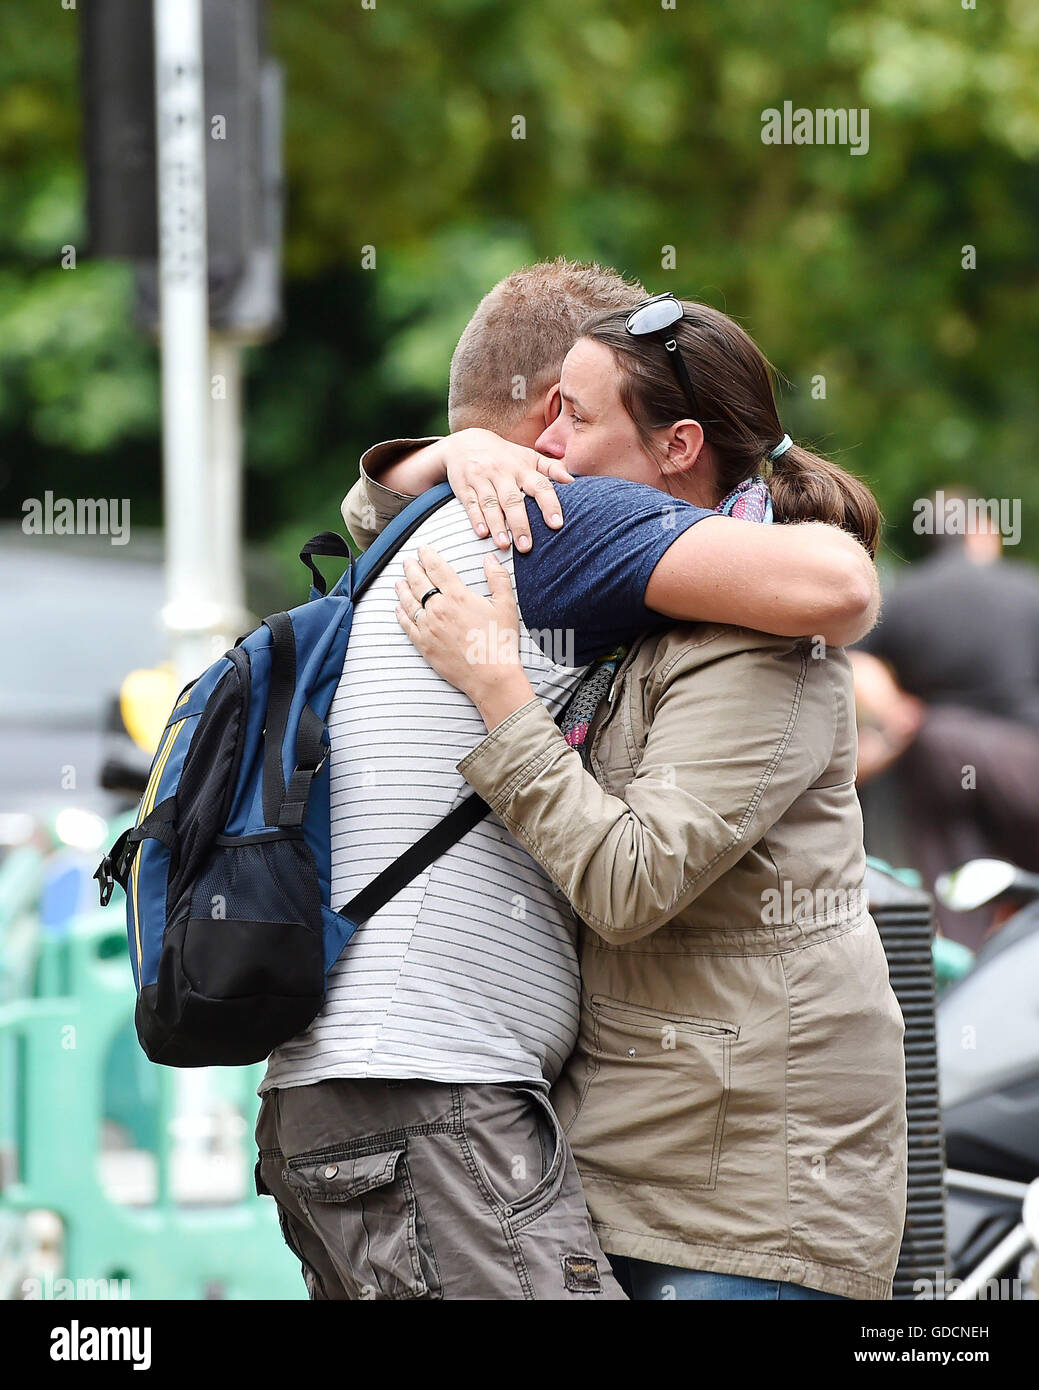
512,348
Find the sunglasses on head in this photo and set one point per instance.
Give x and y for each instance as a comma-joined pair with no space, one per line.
657,315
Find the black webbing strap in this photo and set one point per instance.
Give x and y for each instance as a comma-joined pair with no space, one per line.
157,825
115,867
310,759
327,543
279,698
424,852
411,863
333,544
286,806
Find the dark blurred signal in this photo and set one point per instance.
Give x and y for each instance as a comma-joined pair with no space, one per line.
243,112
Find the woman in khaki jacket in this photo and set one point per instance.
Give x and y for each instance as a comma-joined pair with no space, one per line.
736,1100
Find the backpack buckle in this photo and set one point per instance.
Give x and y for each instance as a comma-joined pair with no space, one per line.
294,807
103,874
114,867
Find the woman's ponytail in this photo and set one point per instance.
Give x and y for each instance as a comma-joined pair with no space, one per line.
806,487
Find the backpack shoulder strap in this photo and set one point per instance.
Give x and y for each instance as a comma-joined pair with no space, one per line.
398,875
435,842
395,536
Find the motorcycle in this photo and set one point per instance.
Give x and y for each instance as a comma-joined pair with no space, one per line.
988,1066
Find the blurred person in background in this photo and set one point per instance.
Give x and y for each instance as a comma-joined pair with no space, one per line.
947,692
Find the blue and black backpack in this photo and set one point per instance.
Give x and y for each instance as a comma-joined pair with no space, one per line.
227,870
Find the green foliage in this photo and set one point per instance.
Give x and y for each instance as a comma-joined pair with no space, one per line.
643,131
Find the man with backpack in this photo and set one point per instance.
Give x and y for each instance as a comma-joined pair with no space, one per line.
406,1134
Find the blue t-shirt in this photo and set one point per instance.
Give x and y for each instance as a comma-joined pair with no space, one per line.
590,576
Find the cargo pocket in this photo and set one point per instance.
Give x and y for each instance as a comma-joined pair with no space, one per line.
364,1209
655,1096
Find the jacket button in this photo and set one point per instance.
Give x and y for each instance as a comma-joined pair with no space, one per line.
331,1170
631,1052
508,1211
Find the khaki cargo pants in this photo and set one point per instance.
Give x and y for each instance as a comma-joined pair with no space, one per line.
425,1190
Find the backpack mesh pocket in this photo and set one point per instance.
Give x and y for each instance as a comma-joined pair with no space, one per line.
259,878
242,969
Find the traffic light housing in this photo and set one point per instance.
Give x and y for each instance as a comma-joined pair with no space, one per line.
243,126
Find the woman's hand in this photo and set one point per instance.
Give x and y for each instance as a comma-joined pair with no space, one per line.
491,476
471,641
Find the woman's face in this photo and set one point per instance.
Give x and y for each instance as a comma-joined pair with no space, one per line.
593,433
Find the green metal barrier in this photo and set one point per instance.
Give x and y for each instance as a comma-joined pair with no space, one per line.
952,960
87,1116
910,877
21,877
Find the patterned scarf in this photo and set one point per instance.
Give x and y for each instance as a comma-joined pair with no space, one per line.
750,501
593,688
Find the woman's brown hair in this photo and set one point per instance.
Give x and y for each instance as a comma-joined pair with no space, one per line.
733,384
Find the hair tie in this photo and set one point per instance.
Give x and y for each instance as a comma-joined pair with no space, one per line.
784,444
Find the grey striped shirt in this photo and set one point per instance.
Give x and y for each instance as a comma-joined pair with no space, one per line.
470,973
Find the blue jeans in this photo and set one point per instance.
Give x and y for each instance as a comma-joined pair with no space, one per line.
647,1282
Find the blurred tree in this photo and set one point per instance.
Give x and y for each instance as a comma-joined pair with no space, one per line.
642,132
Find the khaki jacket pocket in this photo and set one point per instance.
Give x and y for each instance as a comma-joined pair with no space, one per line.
654,1095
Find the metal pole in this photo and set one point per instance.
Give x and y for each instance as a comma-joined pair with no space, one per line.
226,472
1006,1253
962,1181
190,614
